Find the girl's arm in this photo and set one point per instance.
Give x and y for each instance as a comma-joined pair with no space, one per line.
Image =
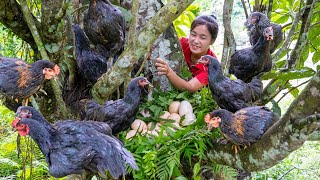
163,69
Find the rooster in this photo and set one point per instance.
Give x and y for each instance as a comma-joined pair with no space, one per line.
243,127
230,94
74,147
21,80
118,114
104,25
249,62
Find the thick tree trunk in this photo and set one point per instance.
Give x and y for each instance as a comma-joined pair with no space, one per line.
167,46
229,44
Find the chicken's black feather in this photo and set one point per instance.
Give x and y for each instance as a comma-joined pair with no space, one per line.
71,147
119,114
230,94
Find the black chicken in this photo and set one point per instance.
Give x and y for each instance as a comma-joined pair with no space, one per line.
243,127
249,62
73,147
118,114
31,113
230,94
261,20
21,80
90,63
104,25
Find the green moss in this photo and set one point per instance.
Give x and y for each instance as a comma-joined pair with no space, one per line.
173,9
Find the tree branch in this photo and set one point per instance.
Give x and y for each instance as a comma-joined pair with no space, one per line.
269,10
55,86
133,24
288,134
291,89
284,26
62,11
11,16
108,83
290,36
302,40
229,45
245,8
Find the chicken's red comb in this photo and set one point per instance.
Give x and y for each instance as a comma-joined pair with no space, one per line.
15,122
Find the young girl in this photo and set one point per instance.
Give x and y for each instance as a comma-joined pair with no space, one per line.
203,33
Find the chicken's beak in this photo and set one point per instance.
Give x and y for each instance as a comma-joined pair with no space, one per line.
269,38
149,84
145,82
203,60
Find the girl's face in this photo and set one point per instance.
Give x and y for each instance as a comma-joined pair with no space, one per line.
199,40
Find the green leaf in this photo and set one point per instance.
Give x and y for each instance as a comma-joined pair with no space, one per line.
193,7
313,33
304,57
67,47
180,178
289,75
52,48
154,108
316,41
127,15
289,3
275,107
196,168
282,19
185,73
281,64
316,57
295,92
183,95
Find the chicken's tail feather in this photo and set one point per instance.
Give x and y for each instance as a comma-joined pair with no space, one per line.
115,161
128,157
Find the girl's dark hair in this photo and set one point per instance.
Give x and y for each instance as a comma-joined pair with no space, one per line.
210,22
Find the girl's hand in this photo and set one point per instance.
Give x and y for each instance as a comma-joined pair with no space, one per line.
162,67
